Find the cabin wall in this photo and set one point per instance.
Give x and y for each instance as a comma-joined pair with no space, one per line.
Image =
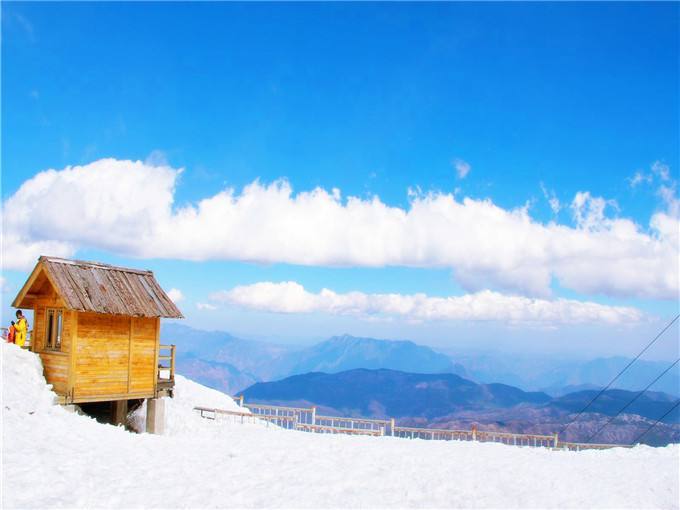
114,357
56,364
56,368
143,348
38,326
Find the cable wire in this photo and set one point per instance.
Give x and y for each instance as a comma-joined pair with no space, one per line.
632,400
619,374
637,439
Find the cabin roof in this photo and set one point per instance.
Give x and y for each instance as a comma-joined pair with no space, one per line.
102,288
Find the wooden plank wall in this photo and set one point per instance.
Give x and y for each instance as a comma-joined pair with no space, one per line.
115,356
143,354
55,367
55,363
102,355
38,335
38,326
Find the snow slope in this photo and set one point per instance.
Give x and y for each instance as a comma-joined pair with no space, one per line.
55,459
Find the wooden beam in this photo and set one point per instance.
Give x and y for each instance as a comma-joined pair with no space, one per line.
73,354
119,410
129,370
157,348
27,286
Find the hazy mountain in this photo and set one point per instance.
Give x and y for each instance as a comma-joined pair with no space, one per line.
382,393
346,352
210,355
251,361
650,404
256,359
557,377
214,374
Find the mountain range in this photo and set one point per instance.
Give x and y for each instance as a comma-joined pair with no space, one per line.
225,362
385,393
557,376
450,401
222,361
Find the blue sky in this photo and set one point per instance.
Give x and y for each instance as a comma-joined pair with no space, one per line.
373,99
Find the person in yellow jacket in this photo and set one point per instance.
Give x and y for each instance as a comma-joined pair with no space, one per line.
21,328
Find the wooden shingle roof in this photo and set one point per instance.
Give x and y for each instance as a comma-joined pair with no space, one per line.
102,288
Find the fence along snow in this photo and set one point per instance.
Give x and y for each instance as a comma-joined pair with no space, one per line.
306,419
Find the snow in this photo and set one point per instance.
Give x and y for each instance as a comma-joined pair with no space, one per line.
180,418
52,458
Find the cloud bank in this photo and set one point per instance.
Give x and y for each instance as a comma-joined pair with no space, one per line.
291,297
127,207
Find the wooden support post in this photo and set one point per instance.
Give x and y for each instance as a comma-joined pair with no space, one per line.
119,409
391,426
172,362
474,432
155,415
556,440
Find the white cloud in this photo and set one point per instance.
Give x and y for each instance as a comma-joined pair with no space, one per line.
462,168
552,199
589,211
291,297
661,170
639,178
658,169
128,208
176,295
205,306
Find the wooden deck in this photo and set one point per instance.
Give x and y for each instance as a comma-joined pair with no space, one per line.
165,378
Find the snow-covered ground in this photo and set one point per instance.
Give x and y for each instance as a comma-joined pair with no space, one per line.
55,459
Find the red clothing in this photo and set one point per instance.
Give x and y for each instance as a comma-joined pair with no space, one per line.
11,334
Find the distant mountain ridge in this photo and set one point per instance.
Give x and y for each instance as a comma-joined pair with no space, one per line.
557,377
450,401
383,392
228,363
225,362
346,352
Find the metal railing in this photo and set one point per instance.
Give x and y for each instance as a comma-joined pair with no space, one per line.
433,434
306,419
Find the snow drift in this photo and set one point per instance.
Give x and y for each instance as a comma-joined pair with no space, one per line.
55,459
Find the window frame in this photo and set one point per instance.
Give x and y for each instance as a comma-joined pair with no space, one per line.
54,329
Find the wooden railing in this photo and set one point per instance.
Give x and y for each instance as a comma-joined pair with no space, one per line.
306,419
166,366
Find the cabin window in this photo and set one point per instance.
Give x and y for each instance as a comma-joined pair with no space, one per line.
53,326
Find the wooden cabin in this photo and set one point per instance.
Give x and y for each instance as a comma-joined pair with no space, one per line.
96,328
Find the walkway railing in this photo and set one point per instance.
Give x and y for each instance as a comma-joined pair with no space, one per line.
306,419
